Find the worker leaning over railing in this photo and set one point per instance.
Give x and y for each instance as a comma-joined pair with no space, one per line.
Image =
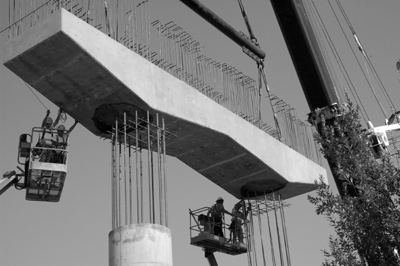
238,219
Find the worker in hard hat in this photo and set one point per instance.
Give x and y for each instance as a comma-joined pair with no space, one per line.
216,214
48,121
238,219
46,137
60,141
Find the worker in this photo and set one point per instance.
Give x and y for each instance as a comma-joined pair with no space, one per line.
236,231
47,135
48,121
60,142
217,212
203,220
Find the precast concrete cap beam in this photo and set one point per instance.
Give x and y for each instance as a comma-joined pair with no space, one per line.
96,79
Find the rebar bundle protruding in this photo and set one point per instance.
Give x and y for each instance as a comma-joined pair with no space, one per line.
260,205
139,164
294,132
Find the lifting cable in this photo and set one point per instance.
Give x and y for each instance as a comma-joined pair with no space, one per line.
35,95
63,115
362,50
261,72
343,69
358,62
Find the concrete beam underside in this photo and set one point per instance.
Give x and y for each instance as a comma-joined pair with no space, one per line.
79,69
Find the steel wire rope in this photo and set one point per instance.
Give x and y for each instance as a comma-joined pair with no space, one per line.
392,106
35,95
261,72
358,62
367,59
342,68
260,66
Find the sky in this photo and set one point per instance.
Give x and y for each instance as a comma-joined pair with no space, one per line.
75,230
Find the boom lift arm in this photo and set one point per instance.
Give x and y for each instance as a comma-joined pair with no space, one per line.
10,178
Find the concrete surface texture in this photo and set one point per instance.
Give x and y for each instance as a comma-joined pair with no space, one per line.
95,79
140,244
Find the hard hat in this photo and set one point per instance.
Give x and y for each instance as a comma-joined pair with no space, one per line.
49,120
61,127
219,199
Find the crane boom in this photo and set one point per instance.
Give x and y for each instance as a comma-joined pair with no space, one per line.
305,52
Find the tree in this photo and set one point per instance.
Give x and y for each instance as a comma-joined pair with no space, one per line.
366,218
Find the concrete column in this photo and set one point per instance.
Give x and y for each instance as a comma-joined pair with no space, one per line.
140,244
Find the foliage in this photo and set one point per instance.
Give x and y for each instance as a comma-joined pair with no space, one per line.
366,218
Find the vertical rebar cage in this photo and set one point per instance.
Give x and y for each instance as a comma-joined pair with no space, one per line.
268,205
139,188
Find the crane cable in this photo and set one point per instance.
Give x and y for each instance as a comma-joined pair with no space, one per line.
261,73
246,20
63,115
358,62
343,69
362,50
35,95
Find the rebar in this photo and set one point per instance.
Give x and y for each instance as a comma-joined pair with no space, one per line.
131,137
